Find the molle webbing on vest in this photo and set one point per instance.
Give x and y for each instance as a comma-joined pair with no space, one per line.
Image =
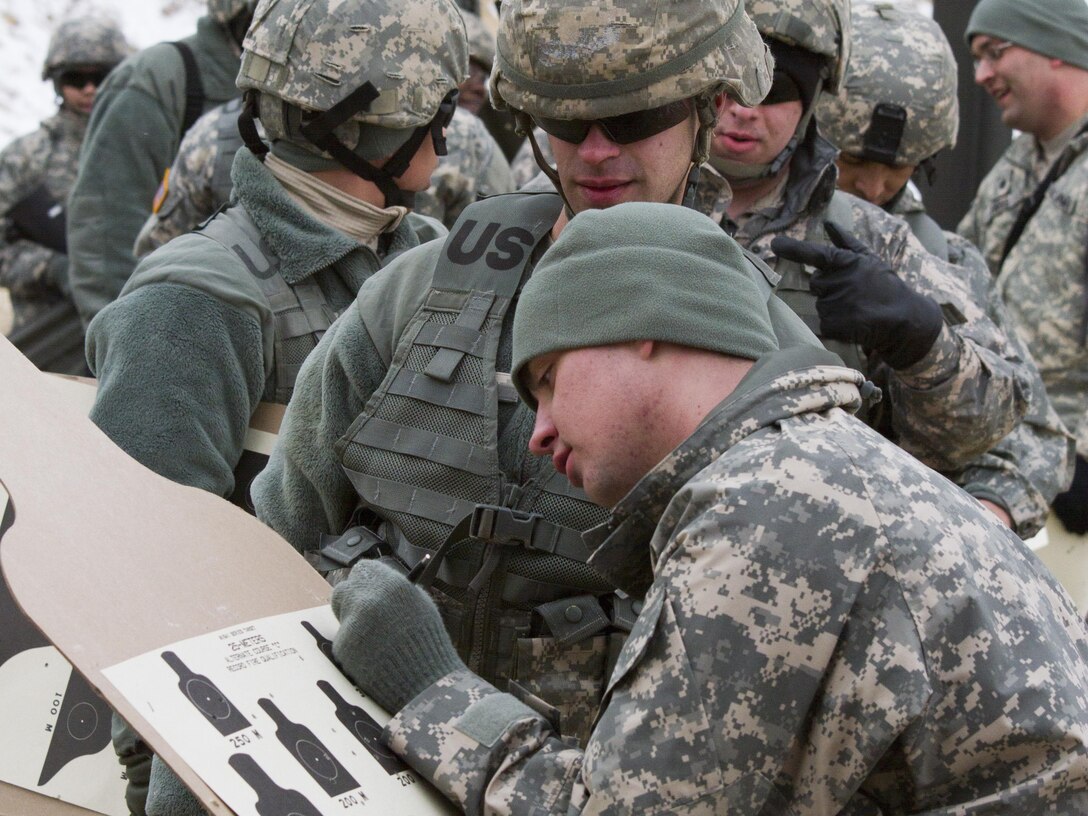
423,455
301,313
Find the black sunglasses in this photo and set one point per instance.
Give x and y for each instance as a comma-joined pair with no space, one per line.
79,79
624,129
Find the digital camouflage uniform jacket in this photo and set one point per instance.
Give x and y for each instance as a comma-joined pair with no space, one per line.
474,166
1043,281
133,135
1029,467
185,354
970,389
831,628
37,275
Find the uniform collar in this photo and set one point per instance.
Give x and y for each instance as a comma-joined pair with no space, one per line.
783,384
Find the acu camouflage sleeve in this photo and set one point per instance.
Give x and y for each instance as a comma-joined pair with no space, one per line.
27,268
971,388
486,751
1029,467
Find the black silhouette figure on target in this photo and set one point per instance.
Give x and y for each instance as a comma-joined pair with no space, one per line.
311,754
364,728
83,720
323,643
207,698
272,800
82,729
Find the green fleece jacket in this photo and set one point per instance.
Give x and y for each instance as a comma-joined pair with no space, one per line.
185,354
131,140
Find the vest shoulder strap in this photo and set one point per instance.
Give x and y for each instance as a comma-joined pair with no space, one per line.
298,311
929,233
194,89
492,242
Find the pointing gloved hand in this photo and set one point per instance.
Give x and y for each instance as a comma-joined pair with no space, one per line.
1072,505
391,640
861,300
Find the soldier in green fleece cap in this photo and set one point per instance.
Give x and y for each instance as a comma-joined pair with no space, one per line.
1029,217
221,319
789,656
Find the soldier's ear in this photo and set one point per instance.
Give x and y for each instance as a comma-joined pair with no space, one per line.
719,103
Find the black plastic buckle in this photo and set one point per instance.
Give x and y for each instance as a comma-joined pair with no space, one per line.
501,525
347,548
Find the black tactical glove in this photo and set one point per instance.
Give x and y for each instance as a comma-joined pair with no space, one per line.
861,300
391,640
1072,505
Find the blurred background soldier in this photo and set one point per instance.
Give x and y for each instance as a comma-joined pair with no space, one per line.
198,182
36,174
1030,217
141,116
474,96
896,110
220,319
952,384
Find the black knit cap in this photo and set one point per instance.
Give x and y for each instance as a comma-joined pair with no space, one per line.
800,65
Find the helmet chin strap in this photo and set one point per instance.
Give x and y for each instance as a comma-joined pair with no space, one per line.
524,126
318,130
707,113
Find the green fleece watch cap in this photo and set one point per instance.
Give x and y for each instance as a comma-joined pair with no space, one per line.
1053,28
640,271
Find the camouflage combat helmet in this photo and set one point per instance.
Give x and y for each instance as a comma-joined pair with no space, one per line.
224,11
83,42
358,80
591,59
898,105
819,26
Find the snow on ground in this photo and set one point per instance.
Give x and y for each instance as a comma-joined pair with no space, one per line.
25,27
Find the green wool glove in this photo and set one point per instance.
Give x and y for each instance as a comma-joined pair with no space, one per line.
391,640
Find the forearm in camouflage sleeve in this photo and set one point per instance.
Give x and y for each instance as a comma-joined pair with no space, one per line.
29,270
959,400
1023,473
486,751
1028,468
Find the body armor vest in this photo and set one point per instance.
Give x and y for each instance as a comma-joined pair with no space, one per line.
503,558
301,313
